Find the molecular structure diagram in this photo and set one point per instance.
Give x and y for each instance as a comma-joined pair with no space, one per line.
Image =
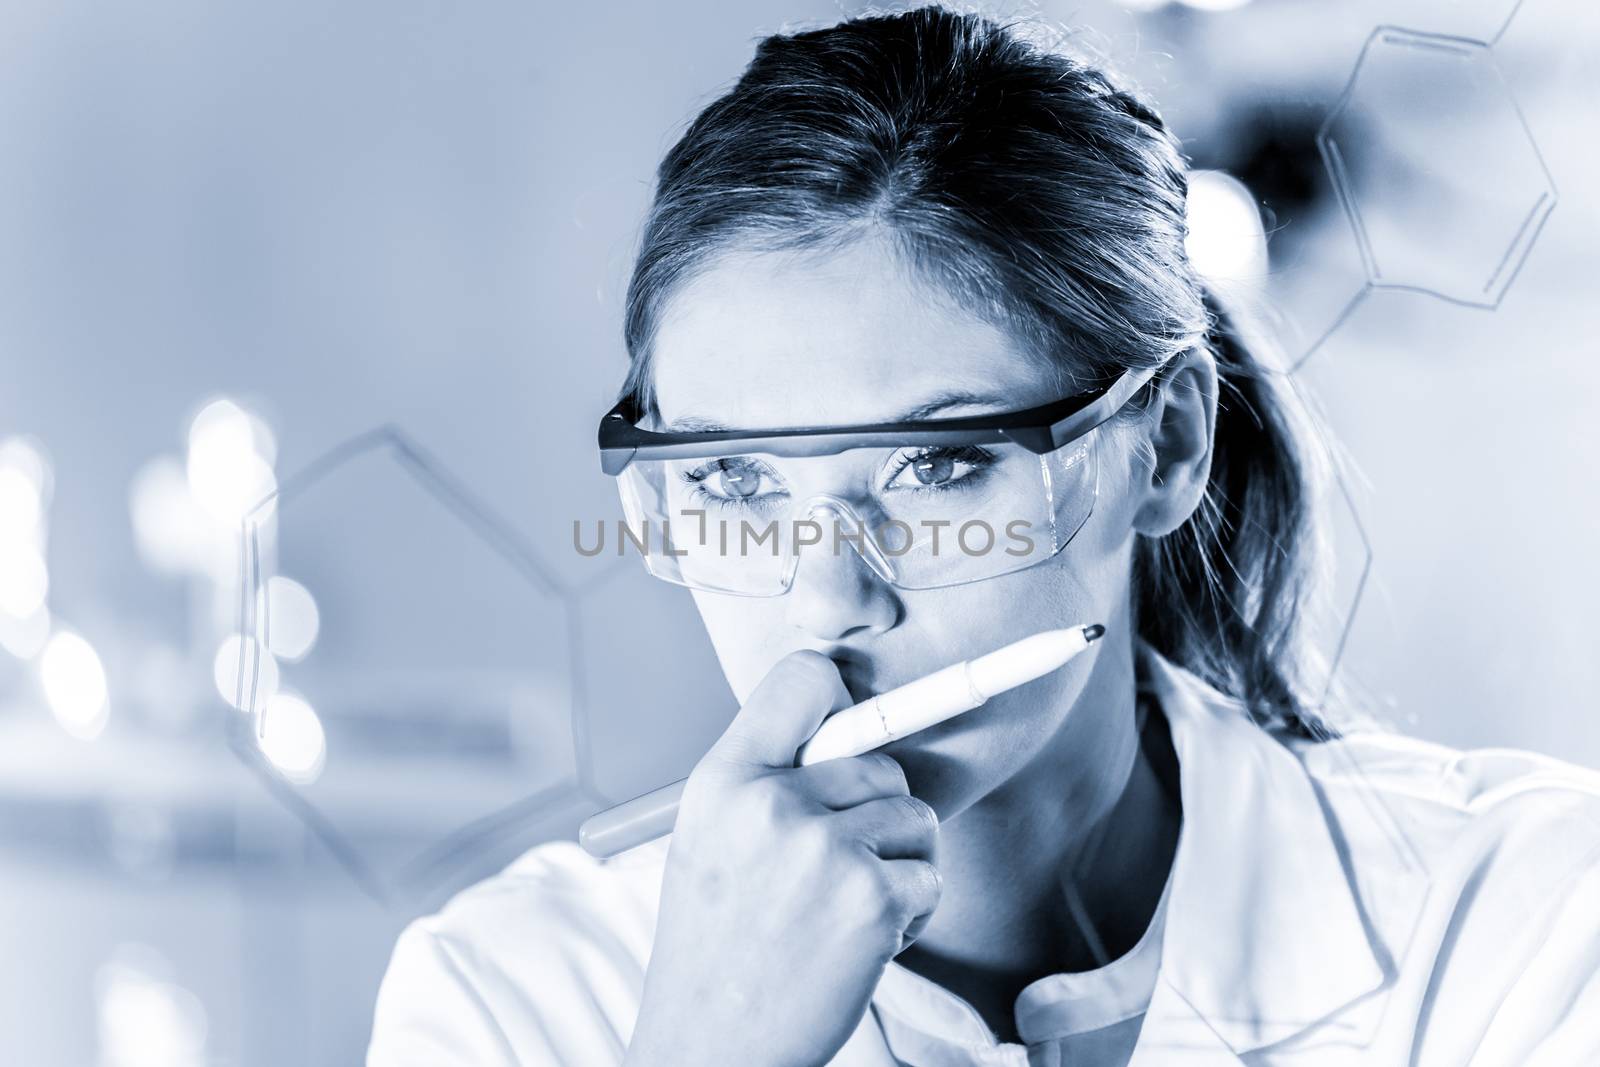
1407,234
1413,243
1406,242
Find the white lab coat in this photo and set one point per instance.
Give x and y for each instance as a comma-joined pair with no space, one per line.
1374,900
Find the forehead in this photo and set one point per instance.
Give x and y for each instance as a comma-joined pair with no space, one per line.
774,339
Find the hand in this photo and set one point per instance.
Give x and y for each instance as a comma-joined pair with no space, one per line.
787,890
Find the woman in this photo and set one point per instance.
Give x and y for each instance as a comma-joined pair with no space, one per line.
1159,853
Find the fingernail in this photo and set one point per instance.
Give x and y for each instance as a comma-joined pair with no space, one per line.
1092,632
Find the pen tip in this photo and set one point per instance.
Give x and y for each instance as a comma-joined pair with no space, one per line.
1092,632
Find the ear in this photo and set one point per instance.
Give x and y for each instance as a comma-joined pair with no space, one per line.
1179,428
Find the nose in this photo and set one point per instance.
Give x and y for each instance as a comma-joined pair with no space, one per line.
835,593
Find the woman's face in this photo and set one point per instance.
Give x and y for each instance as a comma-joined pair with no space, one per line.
768,340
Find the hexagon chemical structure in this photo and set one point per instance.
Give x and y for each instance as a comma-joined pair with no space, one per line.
1455,71
1508,200
1441,207
487,529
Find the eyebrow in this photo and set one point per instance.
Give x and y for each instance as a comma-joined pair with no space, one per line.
934,404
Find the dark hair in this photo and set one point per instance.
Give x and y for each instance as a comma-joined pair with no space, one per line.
1050,201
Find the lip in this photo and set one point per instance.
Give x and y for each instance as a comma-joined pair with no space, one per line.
855,670
859,686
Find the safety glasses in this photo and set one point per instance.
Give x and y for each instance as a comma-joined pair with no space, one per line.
923,504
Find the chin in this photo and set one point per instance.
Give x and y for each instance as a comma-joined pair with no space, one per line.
942,771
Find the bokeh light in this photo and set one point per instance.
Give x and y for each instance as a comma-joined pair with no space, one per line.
226,470
74,685
292,618
24,501
24,580
169,528
21,508
25,638
146,1019
238,654
24,458
292,738
1227,243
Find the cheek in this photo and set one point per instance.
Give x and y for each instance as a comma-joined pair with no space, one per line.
1088,582
971,620
744,634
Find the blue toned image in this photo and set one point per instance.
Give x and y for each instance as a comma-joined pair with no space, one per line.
799,534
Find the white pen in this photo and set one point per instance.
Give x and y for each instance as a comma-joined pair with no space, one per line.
863,727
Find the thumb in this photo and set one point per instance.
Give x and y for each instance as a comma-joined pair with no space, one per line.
783,712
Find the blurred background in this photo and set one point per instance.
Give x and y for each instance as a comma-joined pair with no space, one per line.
308,312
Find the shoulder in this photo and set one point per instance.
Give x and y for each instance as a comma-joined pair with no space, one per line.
1479,870
555,903
556,886
540,963
1439,805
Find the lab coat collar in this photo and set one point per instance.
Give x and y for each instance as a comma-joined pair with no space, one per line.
1264,936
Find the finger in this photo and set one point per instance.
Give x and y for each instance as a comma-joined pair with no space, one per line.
909,935
852,780
895,827
783,712
915,886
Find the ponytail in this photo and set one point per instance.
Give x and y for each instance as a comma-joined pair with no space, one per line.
1228,594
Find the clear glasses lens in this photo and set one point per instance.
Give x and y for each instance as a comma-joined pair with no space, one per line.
920,517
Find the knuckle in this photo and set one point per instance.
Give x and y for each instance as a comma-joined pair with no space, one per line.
736,749
864,840
708,774
765,800
812,843
918,811
933,882
894,774
918,892
703,788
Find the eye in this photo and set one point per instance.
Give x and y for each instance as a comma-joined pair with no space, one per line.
739,481
939,468
733,478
